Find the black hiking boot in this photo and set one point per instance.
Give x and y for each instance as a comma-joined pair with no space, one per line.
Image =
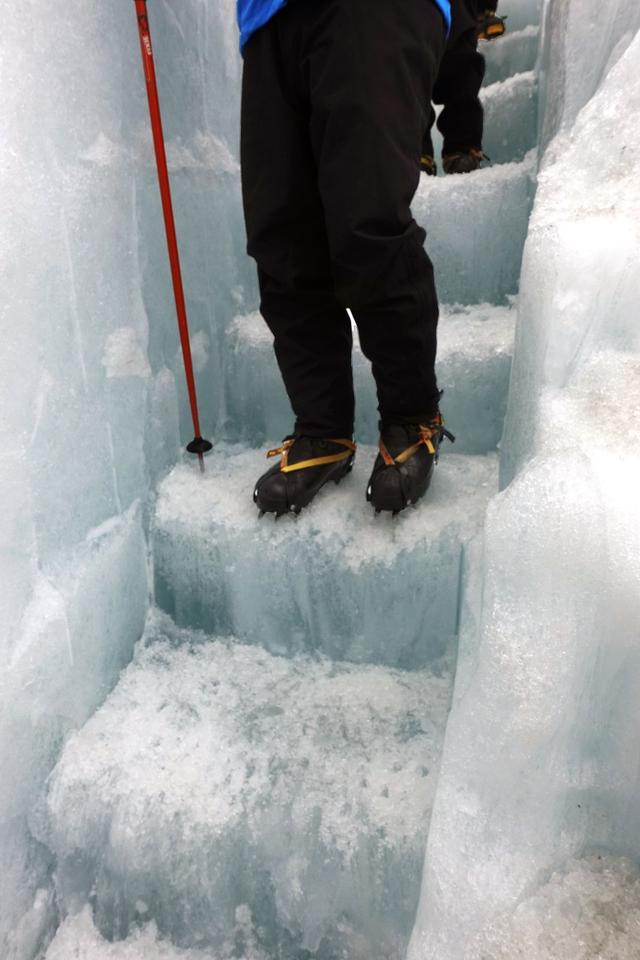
428,165
404,467
465,162
490,25
307,464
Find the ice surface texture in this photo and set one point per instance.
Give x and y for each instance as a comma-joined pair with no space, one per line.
337,580
89,368
510,117
590,909
539,765
481,263
297,788
516,52
474,361
79,939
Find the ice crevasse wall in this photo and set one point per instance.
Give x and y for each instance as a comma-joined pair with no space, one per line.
540,763
541,768
92,405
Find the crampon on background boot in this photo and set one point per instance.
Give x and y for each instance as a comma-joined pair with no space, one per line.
428,165
463,162
307,464
404,467
490,25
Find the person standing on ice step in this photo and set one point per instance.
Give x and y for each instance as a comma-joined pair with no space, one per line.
457,88
335,100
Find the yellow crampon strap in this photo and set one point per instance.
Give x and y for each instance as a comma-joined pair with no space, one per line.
428,164
426,436
490,26
287,467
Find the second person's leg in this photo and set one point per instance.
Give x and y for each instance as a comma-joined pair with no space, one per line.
457,88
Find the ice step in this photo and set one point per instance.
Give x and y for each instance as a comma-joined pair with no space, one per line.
510,117
337,580
476,227
514,53
77,938
221,787
474,360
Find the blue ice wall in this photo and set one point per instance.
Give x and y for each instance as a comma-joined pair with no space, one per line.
91,408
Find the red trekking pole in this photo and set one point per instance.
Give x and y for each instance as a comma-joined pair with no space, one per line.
198,444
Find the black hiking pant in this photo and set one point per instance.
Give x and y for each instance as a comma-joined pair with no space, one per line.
458,84
335,102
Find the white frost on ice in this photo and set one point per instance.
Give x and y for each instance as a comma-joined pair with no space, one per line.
321,774
125,354
104,152
590,910
204,151
78,938
200,346
338,579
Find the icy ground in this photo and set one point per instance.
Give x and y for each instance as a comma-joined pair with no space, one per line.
224,739
590,910
273,777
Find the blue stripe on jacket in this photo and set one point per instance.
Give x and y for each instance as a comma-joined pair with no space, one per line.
253,14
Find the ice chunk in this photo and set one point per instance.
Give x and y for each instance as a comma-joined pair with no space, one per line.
337,580
474,360
89,408
589,909
516,52
37,924
547,703
580,285
510,117
579,51
78,937
77,630
217,776
125,355
482,261
103,589
475,346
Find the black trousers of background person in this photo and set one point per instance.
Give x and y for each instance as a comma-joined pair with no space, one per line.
335,101
458,84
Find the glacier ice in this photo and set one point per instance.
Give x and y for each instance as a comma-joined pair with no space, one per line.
91,395
580,285
311,782
328,581
510,116
580,47
517,52
546,701
78,937
482,263
297,787
589,909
